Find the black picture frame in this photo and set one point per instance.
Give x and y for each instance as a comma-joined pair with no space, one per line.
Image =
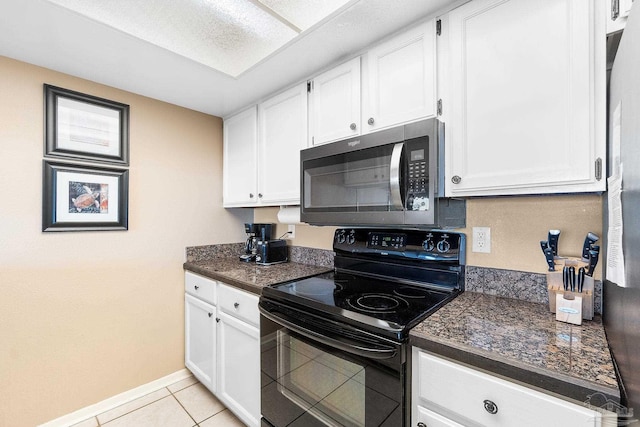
84,198
84,127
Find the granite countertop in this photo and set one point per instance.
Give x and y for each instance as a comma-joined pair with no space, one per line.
250,276
522,341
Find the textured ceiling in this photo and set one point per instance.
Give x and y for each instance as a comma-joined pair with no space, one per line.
51,35
228,35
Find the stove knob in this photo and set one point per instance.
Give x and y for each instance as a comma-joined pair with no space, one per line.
428,245
444,246
340,237
351,238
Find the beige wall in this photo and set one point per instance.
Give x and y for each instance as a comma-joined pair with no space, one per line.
517,226
87,315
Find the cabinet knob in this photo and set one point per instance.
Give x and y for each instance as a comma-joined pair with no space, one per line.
210,314
217,319
490,407
236,305
352,126
371,121
196,287
251,195
421,424
260,195
456,179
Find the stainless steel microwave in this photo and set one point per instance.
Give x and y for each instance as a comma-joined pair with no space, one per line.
390,177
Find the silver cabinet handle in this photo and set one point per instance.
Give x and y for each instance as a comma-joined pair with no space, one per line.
210,314
370,121
217,320
236,305
490,407
251,195
394,175
352,126
260,195
456,179
196,287
421,424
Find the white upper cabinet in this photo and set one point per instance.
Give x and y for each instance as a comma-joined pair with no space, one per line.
240,165
334,104
282,134
526,111
399,79
262,151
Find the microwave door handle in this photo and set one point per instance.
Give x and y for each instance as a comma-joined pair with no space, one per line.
394,175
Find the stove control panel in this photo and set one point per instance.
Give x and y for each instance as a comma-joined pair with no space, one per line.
429,245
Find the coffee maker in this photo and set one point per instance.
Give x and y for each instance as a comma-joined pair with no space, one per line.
255,232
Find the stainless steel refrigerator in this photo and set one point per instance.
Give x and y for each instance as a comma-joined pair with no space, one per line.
621,311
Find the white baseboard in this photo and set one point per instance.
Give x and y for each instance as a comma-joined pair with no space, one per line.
117,400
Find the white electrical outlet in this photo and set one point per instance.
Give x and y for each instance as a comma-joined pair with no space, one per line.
481,240
292,232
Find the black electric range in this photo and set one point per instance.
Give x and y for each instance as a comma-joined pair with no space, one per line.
385,281
334,347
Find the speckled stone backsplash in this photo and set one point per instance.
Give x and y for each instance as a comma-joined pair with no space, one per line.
303,255
517,284
202,253
311,256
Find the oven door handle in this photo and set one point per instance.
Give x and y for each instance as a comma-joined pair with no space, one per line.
353,347
395,167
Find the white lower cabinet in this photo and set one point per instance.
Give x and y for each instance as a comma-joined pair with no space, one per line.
200,338
222,344
239,355
445,393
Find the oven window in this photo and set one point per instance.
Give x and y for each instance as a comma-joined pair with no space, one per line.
309,385
355,181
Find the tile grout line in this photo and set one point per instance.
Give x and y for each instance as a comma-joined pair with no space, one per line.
133,410
182,406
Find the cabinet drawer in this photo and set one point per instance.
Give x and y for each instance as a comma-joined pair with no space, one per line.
200,287
465,394
431,419
240,304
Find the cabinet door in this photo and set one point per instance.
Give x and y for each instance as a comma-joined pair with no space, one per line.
527,84
240,136
334,104
283,133
200,340
239,368
401,79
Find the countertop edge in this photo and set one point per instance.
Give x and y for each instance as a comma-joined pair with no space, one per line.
221,276
254,289
561,385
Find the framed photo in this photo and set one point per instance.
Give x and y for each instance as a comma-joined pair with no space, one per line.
84,198
85,127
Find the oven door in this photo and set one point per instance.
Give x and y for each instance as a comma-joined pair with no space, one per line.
315,377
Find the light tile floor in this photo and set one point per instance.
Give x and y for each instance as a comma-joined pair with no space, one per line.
186,403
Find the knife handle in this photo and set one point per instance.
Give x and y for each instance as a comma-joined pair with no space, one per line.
572,279
581,279
588,242
593,260
554,235
565,278
548,255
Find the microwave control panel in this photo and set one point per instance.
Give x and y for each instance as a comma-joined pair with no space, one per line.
418,188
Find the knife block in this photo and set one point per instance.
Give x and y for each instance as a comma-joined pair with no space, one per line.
566,301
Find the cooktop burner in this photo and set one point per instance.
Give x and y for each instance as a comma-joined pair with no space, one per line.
343,293
376,303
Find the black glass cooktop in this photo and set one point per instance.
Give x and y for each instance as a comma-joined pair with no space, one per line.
379,303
